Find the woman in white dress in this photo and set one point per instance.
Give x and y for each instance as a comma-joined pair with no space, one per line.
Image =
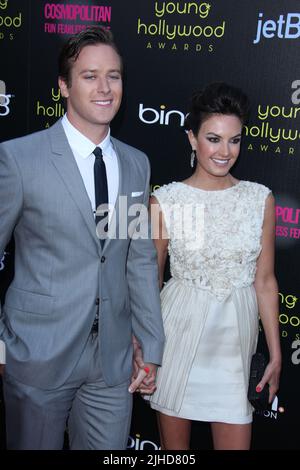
219,233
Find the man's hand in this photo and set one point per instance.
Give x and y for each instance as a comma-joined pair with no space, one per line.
138,362
1,369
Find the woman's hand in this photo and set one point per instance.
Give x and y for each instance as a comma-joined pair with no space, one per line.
144,380
144,374
271,376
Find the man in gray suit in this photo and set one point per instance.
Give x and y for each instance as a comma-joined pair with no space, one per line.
77,296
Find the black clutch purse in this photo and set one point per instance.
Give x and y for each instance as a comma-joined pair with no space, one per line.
259,400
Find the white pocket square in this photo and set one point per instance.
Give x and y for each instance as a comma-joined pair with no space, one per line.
137,193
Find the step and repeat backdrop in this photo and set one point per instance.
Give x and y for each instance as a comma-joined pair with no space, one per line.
171,49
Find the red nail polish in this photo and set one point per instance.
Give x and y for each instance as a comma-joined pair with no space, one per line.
258,388
147,370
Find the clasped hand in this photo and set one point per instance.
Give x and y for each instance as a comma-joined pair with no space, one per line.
144,374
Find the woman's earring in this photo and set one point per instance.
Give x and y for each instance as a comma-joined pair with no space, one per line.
193,156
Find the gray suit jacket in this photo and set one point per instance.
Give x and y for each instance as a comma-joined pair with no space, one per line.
61,270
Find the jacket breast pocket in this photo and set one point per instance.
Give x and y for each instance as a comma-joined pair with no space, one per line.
29,301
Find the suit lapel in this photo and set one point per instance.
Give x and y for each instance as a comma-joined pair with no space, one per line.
124,184
65,164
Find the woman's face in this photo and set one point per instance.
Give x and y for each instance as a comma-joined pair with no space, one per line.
217,144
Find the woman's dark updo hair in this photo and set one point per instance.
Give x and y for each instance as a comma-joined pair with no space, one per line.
216,98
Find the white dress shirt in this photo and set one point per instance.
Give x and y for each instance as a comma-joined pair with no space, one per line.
82,149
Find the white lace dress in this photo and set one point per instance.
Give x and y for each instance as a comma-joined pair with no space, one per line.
209,305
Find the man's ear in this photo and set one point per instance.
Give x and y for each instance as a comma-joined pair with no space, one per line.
64,91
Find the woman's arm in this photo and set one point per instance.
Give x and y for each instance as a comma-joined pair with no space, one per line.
160,236
267,295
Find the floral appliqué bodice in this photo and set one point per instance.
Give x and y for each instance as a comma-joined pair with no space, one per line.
222,255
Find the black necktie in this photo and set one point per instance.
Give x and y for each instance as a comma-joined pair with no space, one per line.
101,191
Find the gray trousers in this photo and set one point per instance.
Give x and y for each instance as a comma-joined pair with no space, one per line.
97,416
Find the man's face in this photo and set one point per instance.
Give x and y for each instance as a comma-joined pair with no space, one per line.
95,91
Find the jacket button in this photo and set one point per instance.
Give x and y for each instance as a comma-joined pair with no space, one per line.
97,301
102,259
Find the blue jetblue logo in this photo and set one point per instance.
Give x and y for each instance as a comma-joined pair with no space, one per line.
286,27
